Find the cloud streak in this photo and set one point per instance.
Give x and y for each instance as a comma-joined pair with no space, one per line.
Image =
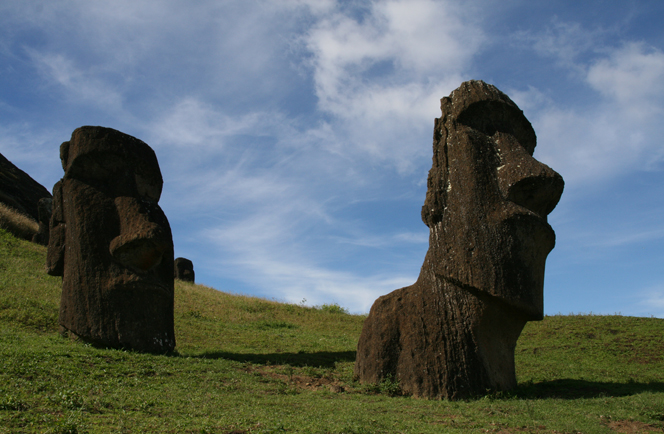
612,134
382,73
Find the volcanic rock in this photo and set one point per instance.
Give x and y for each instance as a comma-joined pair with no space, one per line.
112,244
45,208
19,191
453,332
184,270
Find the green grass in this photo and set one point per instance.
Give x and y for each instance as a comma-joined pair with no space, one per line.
16,223
249,365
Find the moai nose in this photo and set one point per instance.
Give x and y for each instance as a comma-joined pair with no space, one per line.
524,180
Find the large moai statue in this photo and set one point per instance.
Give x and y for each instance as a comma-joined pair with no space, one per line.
112,244
452,333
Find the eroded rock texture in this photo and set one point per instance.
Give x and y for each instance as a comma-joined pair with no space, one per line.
452,334
112,243
184,270
19,191
45,210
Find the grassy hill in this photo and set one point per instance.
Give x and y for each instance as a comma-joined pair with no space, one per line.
248,365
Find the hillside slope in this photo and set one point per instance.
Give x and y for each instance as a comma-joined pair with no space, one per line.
246,365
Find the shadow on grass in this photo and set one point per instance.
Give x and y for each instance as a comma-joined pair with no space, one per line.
575,389
324,359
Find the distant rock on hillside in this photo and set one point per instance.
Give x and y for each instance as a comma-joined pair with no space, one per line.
19,191
183,269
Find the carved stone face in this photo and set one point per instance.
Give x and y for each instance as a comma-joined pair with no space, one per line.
113,242
488,199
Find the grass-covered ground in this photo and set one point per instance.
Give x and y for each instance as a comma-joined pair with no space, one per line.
248,365
16,223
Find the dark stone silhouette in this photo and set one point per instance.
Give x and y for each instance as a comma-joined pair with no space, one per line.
112,243
452,334
184,270
45,207
19,191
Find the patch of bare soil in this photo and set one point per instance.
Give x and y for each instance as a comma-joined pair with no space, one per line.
518,430
304,382
632,427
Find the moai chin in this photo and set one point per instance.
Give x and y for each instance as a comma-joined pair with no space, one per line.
112,244
452,333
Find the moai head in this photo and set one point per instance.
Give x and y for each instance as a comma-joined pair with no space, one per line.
184,270
112,243
488,199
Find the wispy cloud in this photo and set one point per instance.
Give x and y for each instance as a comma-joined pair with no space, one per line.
566,42
632,76
381,241
617,128
195,124
33,150
261,258
651,302
382,73
78,85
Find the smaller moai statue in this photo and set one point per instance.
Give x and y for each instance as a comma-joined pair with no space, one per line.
112,244
184,270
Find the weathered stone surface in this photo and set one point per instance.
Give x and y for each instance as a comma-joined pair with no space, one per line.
19,191
452,334
183,269
112,243
45,207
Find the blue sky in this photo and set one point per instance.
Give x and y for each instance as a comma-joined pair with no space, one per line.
294,136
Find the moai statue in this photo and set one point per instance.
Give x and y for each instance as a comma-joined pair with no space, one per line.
45,209
112,244
184,270
452,333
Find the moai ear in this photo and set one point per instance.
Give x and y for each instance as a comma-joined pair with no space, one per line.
55,256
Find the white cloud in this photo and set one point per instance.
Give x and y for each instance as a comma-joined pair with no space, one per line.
636,236
282,271
78,84
317,7
157,51
589,146
195,124
382,75
633,77
33,150
618,128
265,208
652,302
385,240
565,41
